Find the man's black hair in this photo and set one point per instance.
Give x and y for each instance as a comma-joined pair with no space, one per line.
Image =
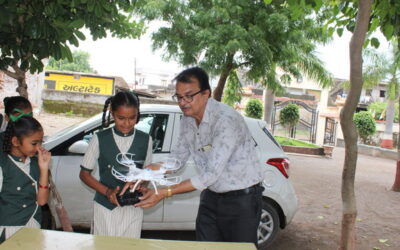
194,72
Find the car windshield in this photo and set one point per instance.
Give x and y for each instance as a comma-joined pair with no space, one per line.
73,127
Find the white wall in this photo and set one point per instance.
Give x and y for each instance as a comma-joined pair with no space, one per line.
35,84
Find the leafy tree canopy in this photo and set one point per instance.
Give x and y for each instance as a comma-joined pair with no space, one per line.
340,15
80,63
33,30
223,35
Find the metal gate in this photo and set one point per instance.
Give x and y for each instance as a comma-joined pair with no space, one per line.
306,128
330,131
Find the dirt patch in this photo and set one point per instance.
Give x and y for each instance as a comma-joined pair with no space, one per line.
317,181
53,123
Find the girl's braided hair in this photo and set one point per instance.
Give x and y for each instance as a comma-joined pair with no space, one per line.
122,98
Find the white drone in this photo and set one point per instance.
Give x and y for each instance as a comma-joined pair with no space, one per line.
138,175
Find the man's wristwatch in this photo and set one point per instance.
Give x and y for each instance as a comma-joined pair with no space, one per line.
169,191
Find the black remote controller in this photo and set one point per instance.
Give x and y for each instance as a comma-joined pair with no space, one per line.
129,198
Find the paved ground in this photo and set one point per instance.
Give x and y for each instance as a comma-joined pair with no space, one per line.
316,225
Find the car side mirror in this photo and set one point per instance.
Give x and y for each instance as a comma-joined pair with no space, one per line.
78,147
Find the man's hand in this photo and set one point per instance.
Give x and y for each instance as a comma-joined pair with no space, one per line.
154,166
150,198
112,195
127,185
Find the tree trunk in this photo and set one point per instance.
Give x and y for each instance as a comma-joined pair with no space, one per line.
387,139
396,184
20,76
348,234
22,88
269,98
222,79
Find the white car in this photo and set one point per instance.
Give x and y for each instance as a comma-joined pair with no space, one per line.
179,212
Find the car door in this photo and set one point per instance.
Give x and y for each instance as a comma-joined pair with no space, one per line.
159,125
182,208
77,197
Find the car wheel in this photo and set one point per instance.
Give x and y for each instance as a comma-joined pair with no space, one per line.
269,225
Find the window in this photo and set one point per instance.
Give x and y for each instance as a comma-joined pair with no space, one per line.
155,125
382,93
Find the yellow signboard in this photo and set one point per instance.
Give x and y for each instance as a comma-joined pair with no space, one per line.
79,83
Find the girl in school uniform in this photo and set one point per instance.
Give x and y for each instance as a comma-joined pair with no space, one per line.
110,218
14,107
23,176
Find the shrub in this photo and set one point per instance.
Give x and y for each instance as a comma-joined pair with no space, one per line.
254,109
365,124
289,115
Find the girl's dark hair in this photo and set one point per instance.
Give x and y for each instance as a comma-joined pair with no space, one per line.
24,126
12,102
122,98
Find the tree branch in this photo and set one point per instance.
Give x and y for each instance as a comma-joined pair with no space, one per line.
241,64
10,74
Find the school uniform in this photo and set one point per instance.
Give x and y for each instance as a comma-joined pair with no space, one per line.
19,183
110,219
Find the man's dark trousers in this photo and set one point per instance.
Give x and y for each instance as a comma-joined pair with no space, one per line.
232,217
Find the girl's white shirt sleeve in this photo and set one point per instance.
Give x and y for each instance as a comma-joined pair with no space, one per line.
92,154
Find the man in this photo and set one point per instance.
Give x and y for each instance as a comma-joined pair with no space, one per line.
217,138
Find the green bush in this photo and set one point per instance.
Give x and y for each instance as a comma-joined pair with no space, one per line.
365,124
289,115
377,108
254,109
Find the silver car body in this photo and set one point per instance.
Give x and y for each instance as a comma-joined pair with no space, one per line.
175,213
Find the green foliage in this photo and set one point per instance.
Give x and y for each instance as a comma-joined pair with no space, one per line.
289,115
340,15
365,124
377,109
80,63
33,30
224,35
254,109
293,142
233,90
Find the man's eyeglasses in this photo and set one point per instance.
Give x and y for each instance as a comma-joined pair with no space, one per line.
186,98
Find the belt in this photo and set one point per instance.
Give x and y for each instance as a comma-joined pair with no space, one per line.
250,190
